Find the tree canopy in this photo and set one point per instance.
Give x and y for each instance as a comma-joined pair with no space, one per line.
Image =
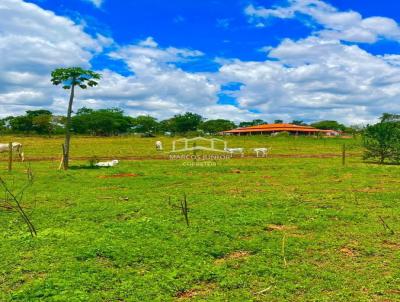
329,125
216,126
34,121
255,122
103,122
145,124
382,140
75,76
182,123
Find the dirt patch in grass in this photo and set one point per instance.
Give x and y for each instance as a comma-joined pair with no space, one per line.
233,256
348,252
370,190
187,294
280,227
201,290
104,261
122,175
391,245
236,191
112,188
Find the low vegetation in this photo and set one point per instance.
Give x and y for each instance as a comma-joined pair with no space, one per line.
297,226
382,140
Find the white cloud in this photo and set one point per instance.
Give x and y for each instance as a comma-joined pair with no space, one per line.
343,25
33,42
314,79
158,86
97,3
30,50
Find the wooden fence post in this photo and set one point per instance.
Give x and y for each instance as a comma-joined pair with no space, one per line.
10,156
344,154
62,164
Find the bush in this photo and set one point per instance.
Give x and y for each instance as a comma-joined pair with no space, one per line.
382,142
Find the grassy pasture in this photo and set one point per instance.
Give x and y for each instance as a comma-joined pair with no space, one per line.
42,147
276,229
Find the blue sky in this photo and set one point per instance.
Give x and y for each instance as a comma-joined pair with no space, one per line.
218,28
295,59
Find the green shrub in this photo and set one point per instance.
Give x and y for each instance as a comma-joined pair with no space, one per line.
382,141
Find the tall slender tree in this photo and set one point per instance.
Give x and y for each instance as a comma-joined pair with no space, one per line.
71,78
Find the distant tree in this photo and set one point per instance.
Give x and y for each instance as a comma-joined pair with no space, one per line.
329,125
70,78
298,122
37,121
33,113
255,122
84,110
382,141
166,126
145,124
389,117
182,123
278,122
216,126
103,122
3,127
42,124
22,123
245,124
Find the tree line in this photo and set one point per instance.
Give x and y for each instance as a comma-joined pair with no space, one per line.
381,140
110,122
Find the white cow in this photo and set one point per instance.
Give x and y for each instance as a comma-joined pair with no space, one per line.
235,150
107,163
263,151
159,146
17,147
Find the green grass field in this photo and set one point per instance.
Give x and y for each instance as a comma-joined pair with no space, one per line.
131,146
297,226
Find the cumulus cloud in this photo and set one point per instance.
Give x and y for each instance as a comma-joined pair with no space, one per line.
318,77
157,86
315,79
33,42
343,25
30,50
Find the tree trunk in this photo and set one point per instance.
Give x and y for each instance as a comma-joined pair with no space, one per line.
68,128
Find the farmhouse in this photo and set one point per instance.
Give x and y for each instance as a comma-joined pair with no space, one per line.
277,128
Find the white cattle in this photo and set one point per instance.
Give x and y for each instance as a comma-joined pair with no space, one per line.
111,163
159,146
235,150
17,147
263,151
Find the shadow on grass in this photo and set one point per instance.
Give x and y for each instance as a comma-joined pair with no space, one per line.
84,167
380,164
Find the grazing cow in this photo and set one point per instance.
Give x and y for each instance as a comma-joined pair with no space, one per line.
235,150
159,146
17,147
263,151
107,163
